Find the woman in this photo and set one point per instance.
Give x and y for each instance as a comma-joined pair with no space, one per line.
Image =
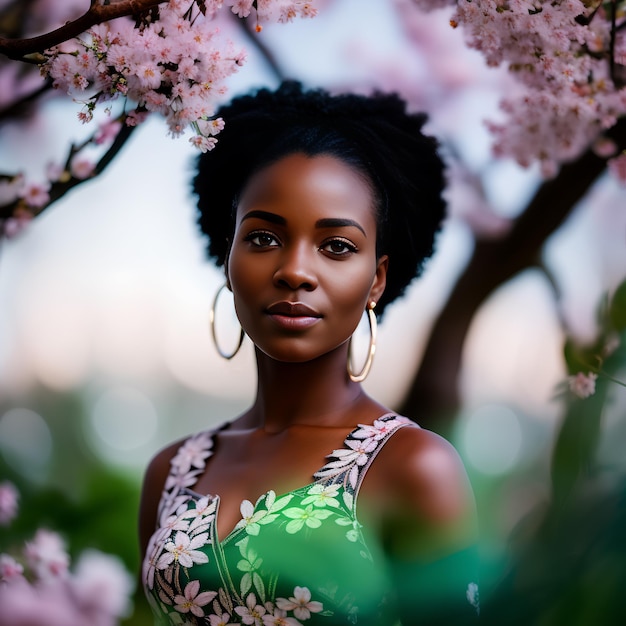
317,505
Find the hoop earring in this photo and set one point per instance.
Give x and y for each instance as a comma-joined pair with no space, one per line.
362,375
214,333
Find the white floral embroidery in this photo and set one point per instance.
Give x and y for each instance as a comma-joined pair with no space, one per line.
252,613
472,596
300,603
192,600
250,518
193,453
310,517
184,550
322,495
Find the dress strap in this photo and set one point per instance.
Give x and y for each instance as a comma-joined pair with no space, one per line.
186,466
348,465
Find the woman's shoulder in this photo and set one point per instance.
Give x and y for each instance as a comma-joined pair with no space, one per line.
160,464
155,477
427,482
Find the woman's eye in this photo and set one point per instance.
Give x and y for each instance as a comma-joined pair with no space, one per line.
262,240
339,247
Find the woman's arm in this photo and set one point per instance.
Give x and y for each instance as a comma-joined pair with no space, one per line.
430,531
153,483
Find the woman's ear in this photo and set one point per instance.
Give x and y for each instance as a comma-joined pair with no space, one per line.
226,271
380,279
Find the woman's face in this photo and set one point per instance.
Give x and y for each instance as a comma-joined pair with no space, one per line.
303,262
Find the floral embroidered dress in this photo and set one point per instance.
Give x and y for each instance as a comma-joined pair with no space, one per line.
297,558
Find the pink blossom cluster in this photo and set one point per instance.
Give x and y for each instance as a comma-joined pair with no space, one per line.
8,502
173,63
43,591
559,51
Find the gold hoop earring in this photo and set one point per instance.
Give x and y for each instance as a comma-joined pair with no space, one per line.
214,333
362,375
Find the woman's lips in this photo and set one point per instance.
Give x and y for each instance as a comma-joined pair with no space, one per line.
293,315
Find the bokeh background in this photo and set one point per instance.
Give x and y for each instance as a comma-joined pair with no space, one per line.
105,350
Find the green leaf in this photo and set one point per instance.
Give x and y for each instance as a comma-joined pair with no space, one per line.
246,584
617,308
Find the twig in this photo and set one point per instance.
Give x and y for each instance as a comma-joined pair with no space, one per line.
253,37
60,188
17,108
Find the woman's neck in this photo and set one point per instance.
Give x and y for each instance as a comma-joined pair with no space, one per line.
315,393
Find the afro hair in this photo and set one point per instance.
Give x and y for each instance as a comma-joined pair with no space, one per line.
373,134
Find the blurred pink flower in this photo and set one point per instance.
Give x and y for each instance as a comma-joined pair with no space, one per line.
583,385
8,501
10,189
101,587
36,194
46,555
10,569
617,167
82,168
107,132
48,605
13,226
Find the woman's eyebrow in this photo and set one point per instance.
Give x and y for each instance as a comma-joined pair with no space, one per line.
335,222
267,216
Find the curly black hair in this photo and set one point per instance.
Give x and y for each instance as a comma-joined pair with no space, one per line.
373,134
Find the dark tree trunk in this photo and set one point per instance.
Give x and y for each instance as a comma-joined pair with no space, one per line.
433,397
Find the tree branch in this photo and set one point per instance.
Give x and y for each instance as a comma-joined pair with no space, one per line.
19,49
62,187
252,36
433,398
17,108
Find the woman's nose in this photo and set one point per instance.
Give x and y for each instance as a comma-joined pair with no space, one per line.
296,268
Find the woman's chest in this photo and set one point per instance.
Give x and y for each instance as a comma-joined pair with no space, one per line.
298,553
244,467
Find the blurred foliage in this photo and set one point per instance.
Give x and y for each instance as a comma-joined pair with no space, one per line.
567,560
91,504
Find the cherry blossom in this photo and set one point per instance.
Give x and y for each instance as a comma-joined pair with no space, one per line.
175,63
617,167
97,592
8,502
82,168
279,618
35,195
559,53
10,569
300,603
101,587
10,188
583,385
252,613
192,600
221,620
46,555
48,605
183,550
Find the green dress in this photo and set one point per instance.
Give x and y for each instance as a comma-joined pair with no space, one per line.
298,558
